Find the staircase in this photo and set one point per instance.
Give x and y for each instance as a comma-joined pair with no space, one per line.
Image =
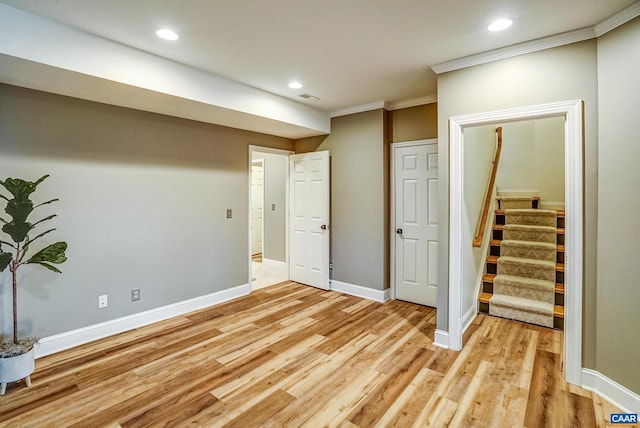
524,277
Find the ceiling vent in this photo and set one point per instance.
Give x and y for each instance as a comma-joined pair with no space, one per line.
309,97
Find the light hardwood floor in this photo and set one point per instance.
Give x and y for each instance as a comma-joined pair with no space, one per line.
291,355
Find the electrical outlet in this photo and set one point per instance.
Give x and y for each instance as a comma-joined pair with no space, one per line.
103,301
135,294
273,207
229,213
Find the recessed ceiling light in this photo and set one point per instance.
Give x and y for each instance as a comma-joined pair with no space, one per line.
500,24
295,85
167,34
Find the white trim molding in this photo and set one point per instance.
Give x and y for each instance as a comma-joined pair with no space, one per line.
620,18
516,192
572,112
359,291
441,339
59,342
413,102
516,50
358,109
387,105
543,43
283,152
623,398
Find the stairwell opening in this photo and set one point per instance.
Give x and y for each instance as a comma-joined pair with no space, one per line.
519,271
460,304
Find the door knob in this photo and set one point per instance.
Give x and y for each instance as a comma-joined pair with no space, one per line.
399,231
324,227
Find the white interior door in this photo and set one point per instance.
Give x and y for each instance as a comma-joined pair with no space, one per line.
309,219
257,209
416,217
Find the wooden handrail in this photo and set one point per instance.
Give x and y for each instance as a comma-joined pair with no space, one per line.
477,242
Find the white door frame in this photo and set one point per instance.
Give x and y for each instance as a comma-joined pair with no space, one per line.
572,111
254,162
260,149
392,231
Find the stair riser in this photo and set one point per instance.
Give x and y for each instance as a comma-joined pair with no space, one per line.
516,314
516,205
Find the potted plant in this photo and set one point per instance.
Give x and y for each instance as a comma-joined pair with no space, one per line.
16,356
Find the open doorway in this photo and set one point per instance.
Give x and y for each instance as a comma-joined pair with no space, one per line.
459,298
516,262
268,216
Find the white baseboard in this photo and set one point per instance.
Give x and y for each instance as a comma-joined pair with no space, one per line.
441,339
517,192
618,395
274,263
69,339
360,291
468,318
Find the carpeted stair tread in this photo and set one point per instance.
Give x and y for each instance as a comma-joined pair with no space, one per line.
528,249
524,284
525,232
534,217
527,268
527,310
526,288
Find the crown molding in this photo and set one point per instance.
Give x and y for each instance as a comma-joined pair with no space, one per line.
620,18
597,30
516,50
358,109
387,105
397,105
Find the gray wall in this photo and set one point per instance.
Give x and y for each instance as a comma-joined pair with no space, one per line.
142,205
414,123
559,74
533,158
618,316
275,192
359,197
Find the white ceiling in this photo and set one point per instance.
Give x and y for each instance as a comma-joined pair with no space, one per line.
346,52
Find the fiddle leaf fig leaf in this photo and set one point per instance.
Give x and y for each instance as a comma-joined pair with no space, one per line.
29,241
19,211
50,267
44,219
17,231
54,253
21,189
5,259
47,202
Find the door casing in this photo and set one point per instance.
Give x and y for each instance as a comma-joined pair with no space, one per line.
260,149
572,111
